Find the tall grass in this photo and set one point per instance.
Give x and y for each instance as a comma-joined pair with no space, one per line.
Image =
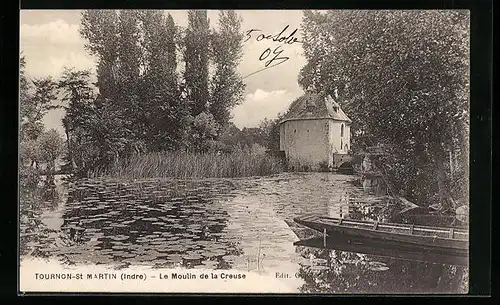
240,163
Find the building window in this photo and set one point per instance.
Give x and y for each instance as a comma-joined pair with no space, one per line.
340,143
295,130
342,130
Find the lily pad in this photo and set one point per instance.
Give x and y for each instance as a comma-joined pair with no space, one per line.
213,253
320,261
192,256
318,268
177,248
174,259
125,255
210,264
377,266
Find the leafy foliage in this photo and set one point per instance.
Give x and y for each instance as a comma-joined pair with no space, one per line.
164,114
50,147
34,105
37,147
100,29
271,131
205,130
403,78
82,122
196,57
227,86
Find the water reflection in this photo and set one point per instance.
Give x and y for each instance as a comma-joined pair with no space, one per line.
246,224
336,271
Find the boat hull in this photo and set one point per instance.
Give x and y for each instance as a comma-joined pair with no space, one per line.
388,238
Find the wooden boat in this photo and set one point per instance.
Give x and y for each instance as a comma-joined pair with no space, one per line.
389,233
435,220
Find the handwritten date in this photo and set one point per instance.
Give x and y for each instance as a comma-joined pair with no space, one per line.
290,39
273,57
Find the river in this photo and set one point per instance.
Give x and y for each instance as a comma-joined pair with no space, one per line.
224,224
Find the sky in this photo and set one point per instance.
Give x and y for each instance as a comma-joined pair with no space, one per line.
50,42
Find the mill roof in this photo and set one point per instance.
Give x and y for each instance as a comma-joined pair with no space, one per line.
315,106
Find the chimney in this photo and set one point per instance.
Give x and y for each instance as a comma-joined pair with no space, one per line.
310,105
334,104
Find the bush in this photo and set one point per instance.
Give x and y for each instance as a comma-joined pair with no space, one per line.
323,166
29,177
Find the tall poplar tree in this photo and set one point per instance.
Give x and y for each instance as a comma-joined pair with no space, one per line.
100,29
227,86
166,110
129,54
196,57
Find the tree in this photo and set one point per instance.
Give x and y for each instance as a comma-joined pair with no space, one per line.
227,85
100,29
230,137
271,131
128,100
205,131
50,148
164,109
129,55
24,94
35,106
403,79
159,45
113,37
196,57
35,100
27,149
80,121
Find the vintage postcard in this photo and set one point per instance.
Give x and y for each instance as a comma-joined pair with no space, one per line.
253,151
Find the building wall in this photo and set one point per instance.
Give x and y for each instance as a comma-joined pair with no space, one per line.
339,144
305,142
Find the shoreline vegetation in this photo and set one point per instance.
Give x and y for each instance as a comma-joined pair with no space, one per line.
179,164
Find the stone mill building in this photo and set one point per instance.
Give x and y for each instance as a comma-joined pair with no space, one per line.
315,133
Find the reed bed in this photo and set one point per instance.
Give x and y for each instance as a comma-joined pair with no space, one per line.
193,165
